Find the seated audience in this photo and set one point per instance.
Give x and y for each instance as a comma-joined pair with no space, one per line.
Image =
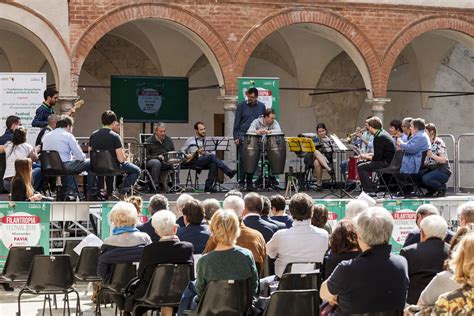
423,211
466,213
137,202
21,186
426,258
249,238
354,207
157,203
413,149
320,217
252,219
342,246
195,231
278,204
210,207
168,250
302,242
234,192
375,281
267,205
180,202
460,301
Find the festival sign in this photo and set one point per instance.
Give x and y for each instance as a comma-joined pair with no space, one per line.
268,91
106,230
23,224
337,210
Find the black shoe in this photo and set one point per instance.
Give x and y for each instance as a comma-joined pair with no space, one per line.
97,198
440,194
250,188
241,185
210,190
232,173
429,193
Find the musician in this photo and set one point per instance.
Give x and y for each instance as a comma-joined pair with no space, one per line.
106,138
246,112
263,125
157,146
395,129
46,109
406,124
52,121
196,155
365,141
384,150
319,160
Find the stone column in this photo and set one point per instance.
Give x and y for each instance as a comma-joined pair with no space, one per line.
65,103
378,106
230,105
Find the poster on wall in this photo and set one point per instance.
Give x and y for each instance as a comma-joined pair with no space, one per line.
106,229
21,93
337,210
23,224
268,91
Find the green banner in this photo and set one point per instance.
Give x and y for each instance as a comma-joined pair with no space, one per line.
23,224
105,228
268,91
337,210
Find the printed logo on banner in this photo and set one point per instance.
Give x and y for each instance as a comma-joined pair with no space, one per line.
20,229
149,100
265,96
405,221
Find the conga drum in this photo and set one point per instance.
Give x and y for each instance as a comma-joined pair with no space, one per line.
251,152
352,174
276,153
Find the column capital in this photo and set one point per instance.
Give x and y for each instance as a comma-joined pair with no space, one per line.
229,102
66,102
378,106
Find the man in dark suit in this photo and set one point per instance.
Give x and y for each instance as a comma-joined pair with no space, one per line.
426,258
423,211
267,206
252,219
157,203
195,231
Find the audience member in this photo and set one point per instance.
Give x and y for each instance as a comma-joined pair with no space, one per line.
210,207
180,202
168,250
21,186
249,238
460,301
158,202
137,202
423,211
302,242
267,205
52,121
278,204
375,281
320,217
234,192
342,246
413,149
252,219
426,258
466,213
354,208
195,231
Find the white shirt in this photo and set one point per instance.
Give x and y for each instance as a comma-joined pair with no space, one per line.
65,144
300,243
20,151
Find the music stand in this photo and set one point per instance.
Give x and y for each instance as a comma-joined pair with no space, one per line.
298,144
213,144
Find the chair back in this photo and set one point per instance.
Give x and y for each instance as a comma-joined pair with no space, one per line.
19,260
86,267
423,158
51,164
68,249
102,162
225,298
396,162
299,281
168,284
297,302
121,275
50,273
300,267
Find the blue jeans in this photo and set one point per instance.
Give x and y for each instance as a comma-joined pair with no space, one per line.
435,180
76,167
188,299
133,173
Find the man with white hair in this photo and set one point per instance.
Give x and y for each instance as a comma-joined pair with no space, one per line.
427,257
466,213
375,281
354,207
423,211
180,203
249,238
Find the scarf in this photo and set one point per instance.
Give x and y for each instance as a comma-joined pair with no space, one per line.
125,229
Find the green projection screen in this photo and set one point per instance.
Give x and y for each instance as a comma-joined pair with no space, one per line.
150,99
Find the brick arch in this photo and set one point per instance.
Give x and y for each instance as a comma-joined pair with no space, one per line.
323,17
217,52
415,29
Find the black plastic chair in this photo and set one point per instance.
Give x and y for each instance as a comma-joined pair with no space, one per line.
411,180
225,298
18,264
50,275
103,164
86,268
68,249
121,276
392,171
299,267
293,303
166,286
52,166
299,281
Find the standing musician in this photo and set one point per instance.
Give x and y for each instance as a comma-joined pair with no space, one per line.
46,109
246,112
263,125
157,145
196,155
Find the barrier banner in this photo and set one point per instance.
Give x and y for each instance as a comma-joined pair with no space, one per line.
268,91
337,211
21,93
106,230
23,224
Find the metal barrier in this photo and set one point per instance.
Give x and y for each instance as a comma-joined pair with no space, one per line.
454,160
458,149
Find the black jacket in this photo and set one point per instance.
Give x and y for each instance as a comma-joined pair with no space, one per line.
265,228
112,255
384,147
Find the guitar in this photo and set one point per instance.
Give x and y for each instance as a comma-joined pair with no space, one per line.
74,107
195,155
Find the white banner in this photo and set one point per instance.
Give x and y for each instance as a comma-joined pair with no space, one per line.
21,94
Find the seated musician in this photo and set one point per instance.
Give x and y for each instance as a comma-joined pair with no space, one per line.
322,157
263,125
106,139
157,146
384,150
196,155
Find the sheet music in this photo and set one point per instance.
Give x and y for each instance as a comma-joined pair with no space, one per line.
338,143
